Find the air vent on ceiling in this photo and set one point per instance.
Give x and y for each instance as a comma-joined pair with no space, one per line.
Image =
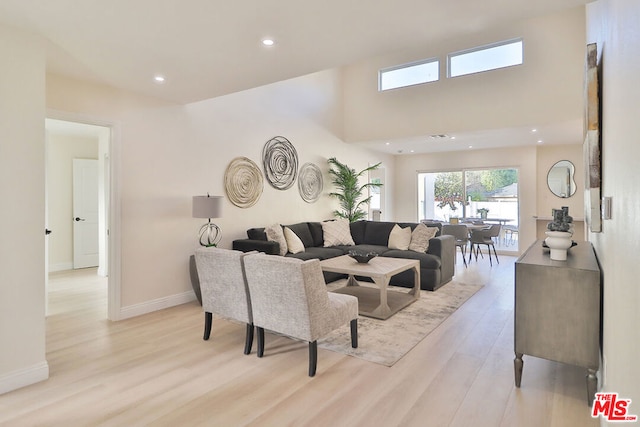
439,136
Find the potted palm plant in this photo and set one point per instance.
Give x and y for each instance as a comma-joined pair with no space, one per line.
349,192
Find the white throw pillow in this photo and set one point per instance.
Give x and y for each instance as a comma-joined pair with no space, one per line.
337,232
421,236
400,238
294,244
275,234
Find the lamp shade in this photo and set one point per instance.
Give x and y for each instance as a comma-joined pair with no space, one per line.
207,206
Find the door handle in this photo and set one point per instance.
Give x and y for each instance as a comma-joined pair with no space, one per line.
79,219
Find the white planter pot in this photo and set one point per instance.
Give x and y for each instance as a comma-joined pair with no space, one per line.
558,242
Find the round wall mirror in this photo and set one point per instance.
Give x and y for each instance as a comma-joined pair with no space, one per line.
560,179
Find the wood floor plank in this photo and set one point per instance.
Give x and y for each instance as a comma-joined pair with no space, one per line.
157,370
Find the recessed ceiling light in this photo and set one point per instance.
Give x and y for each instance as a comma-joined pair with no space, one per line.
268,42
453,137
159,79
540,141
413,151
534,130
387,143
471,146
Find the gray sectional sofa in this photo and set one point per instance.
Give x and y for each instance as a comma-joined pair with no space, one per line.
436,265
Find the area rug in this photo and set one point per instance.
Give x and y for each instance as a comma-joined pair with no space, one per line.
387,341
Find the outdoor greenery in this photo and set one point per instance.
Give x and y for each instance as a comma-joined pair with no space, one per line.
448,185
349,191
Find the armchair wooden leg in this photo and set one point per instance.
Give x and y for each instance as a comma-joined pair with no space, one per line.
260,342
248,342
208,318
354,333
313,358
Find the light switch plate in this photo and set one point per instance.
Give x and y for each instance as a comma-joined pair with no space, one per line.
606,208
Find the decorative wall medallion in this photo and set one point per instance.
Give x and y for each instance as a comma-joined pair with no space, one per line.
243,182
310,182
280,161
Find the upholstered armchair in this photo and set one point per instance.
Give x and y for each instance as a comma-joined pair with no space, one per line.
224,289
289,296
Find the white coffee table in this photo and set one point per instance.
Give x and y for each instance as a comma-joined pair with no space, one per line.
377,301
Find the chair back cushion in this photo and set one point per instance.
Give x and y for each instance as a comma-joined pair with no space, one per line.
288,295
223,283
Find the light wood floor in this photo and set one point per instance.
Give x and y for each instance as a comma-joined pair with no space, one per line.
156,370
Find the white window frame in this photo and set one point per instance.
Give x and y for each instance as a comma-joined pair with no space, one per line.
382,71
481,49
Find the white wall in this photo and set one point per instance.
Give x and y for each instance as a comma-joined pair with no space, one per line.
613,24
170,153
22,269
547,88
62,149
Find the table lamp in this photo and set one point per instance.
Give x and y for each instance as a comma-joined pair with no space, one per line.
208,207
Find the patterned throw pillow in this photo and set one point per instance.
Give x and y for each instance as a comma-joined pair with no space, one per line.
400,238
294,244
337,232
275,234
421,236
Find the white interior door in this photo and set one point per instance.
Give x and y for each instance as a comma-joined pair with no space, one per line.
85,213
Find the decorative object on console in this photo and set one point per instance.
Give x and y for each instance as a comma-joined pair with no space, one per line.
280,162
559,234
349,190
208,207
591,146
243,182
361,257
310,182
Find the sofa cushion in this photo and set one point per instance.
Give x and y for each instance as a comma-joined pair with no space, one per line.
316,233
377,233
256,234
400,238
302,231
420,238
275,234
427,261
336,232
357,231
294,244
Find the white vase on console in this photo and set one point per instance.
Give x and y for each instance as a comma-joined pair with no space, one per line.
558,243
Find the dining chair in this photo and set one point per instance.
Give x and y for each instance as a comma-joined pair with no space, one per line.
484,237
224,289
461,233
289,296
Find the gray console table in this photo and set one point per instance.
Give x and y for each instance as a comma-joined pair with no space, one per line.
557,309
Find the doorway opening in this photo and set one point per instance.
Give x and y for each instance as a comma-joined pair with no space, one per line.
77,200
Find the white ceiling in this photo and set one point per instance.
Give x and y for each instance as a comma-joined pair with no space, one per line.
208,48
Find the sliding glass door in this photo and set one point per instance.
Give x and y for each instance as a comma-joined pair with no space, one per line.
474,195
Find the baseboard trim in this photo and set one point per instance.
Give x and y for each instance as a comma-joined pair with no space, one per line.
155,305
61,266
24,377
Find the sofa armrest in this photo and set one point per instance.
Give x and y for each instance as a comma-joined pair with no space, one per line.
444,247
248,245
